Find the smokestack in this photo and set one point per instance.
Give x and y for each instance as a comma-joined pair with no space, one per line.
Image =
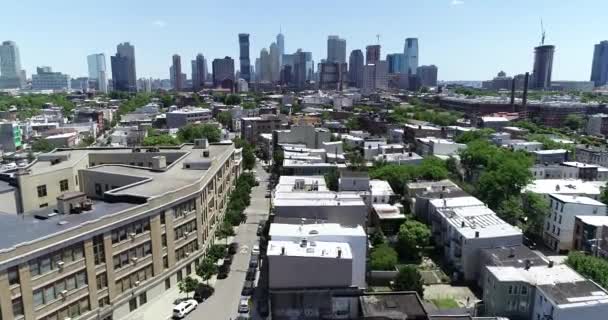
513,94
524,100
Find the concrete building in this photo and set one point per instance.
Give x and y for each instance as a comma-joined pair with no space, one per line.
245,64
123,68
46,79
309,136
411,56
591,235
396,62
427,75
420,194
354,236
543,67
332,75
355,68
11,76
372,54
63,140
336,49
551,156
199,72
10,137
435,146
223,73
128,226
252,127
98,72
558,230
569,86
546,187
599,66
176,73
592,154
597,124
375,77
570,300
187,115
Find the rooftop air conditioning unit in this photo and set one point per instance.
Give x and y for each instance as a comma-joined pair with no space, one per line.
60,264
137,283
132,235
187,254
134,260
63,294
186,233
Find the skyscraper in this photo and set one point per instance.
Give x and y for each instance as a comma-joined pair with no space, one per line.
274,63
199,72
355,71
223,72
372,54
410,51
300,68
427,75
123,68
599,68
97,71
264,71
10,66
543,67
244,56
396,62
176,70
336,49
281,47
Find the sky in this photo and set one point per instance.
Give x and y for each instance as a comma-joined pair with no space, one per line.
465,39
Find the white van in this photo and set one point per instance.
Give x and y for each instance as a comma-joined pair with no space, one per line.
183,308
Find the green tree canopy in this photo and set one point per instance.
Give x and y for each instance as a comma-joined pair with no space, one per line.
199,131
206,269
409,279
413,236
160,140
248,105
574,121
398,175
187,285
42,145
589,266
232,99
469,136
332,179
535,211
383,257
225,118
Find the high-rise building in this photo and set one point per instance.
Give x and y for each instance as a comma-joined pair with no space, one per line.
10,66
396,62
332,75
410,51
300,68
281,47
336,49
264,68
599,68
46,79
375,76
176,73
223,72
123,68
97,71
244,56
274,63
355,68
199,72
427,75
372,54
543,66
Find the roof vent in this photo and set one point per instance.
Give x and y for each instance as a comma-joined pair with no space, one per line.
62,222
313,232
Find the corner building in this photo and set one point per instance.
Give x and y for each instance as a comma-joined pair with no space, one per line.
140,221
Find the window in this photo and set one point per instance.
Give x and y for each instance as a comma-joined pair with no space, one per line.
165,262
41,191
126,257
162,217
558,231
179,275
510,289
132,304
167,283
105,301
560,219
63,185
38,298
102,281
76,179
13,275
98,189
17,307
524,290
98,250
137,227
143,298
548,225
163,240
188,269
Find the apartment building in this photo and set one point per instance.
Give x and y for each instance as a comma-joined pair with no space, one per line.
559,223
189,115
127,226
591,235
570,300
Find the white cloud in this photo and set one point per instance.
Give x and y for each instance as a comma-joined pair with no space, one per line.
160,23
457,2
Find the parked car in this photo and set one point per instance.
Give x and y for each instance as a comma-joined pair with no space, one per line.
233,248
183,308
257,181
529,243
203,292
259,231
262,308
247,288
256,250
253,262
251,274
244,305
268,193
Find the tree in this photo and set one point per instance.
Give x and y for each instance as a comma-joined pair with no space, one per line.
248,153
248,105
353,123
383,257
592,267
199,131
42,145
535,211
225,230
574,121
187,285
206,269
511,210
409,279
225,118
469,136
332,179
86,141
604,194
505,177
160,140
232,99
413,236
216,252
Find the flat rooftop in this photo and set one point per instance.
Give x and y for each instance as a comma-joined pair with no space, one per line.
467,201
565,186
313,249
387,211
597,221
315,230
575,293
536,275
576,199
381,188
514,256
552,151
317,199
478,222
392,305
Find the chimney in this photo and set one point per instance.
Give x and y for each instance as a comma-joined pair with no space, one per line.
339,252
511,252
159,163
513,93
524,99
282,251
528,264
476,234
551,263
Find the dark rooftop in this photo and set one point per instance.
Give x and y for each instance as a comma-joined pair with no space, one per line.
575,292
392,306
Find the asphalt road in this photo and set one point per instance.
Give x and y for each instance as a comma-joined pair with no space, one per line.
223,304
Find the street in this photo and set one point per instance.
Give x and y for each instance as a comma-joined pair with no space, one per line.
224,302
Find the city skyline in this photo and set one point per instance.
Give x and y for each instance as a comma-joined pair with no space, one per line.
478,48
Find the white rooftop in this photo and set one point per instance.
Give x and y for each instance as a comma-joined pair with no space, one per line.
576,199
456,202
594,220
436,140
191,110
536,275
381,188
579,164
421,127
494,119
316,229
314,249
478,222
552,151
565,186
387,211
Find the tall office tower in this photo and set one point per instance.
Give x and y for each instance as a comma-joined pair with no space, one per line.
10,66
97,71
223,72
396,62
281,46
264,67
355,68
372,54
336,49
543,66
599,68
176,73
258,70
411,56
332,75
274,63
244,56
199,72
427,75
375,76
300,68
123,68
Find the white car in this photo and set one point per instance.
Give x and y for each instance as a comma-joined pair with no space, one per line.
183,308
244,305
255,250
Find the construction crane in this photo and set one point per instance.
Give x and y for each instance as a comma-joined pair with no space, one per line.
543,34
378,39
